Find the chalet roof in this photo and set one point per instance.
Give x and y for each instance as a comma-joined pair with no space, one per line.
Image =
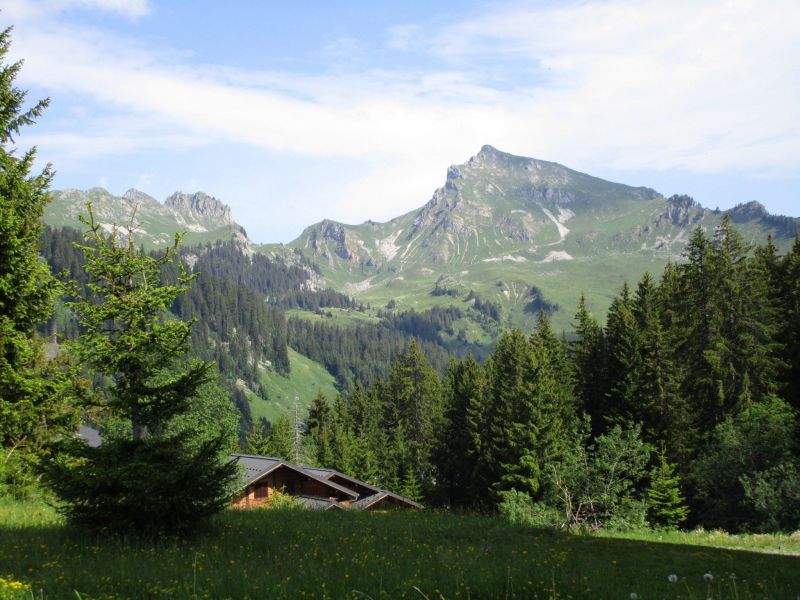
315,503
331,473
367,501
257,467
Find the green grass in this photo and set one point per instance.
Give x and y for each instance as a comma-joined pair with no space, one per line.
298,554
306,378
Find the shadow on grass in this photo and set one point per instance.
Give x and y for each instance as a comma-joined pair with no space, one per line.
291,554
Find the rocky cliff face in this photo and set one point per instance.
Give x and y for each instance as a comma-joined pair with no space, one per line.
202,205
202,217
328,231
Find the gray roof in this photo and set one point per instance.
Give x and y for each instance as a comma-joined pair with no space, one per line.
367,501
315,503
329,473
257,466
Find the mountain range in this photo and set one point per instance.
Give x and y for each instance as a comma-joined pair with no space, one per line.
520,233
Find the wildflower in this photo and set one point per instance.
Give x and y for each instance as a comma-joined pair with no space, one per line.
672,578
708,577
634,596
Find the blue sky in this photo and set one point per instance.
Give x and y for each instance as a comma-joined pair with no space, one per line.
292,112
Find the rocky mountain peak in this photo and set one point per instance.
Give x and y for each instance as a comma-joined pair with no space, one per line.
138,197
201,204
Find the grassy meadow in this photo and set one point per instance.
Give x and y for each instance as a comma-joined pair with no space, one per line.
299,554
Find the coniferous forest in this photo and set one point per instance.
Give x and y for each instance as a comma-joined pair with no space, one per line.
679,408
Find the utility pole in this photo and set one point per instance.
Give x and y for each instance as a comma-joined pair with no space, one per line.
296,428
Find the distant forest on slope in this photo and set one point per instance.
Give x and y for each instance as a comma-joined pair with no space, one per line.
681,410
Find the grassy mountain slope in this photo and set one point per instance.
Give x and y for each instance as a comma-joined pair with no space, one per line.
306,379
515,230
201,217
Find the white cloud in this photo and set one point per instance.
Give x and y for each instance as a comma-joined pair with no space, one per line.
625,84
23,10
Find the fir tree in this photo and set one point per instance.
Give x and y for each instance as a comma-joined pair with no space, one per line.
33,408
153,480
414,407
280,439
666,508
588,356
459,437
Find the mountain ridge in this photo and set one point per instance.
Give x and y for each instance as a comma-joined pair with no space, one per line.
507,227
203,218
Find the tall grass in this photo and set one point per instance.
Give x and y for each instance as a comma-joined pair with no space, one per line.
298,554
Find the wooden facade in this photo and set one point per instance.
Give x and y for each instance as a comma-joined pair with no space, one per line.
288,481
315,487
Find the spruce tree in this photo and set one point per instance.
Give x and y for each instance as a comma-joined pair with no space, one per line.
587,354
33,408
458,445
623,344
414,407
280,439
790,330
666,508
152,480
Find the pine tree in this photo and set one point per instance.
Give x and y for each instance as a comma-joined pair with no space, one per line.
587,354
280,439
152,480
414,406
318,429
458,445
624,361
666,508
33,408
790,331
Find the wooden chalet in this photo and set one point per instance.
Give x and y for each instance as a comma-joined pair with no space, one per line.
316,488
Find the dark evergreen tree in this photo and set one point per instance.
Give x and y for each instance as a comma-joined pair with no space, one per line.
414,406
33,408
152,480
587,353
458,446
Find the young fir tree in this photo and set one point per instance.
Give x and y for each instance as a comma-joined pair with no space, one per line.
666,508
280,439
152,480
32,408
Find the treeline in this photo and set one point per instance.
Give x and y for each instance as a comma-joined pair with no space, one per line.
680,411
359,354
282,284
425,325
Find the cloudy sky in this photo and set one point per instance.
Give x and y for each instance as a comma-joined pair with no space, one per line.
291,112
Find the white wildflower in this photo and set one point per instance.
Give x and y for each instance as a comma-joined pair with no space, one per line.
672,578
634,596
708,577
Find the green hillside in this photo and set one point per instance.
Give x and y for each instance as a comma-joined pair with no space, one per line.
306,379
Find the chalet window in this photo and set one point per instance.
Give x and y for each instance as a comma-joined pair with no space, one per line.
288,487
261,491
